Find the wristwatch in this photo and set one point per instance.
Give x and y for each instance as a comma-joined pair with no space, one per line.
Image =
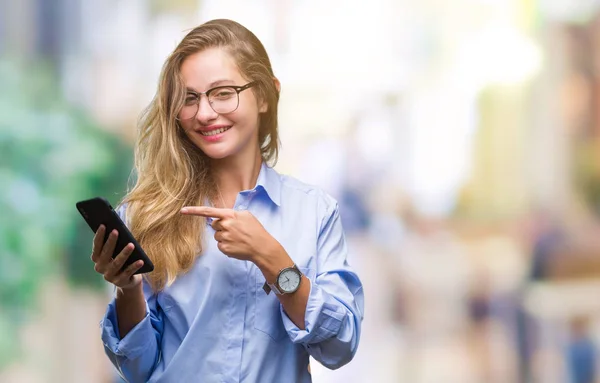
287,281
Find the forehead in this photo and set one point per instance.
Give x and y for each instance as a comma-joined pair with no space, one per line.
208,68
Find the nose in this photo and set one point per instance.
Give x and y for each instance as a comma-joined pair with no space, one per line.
205,111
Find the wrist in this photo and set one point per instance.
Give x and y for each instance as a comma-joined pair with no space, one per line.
126,292
267,249
272,258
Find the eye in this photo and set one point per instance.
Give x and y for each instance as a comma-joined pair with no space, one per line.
224,93
190,99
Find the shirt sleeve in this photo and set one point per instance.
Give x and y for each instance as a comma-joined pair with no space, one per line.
334,311
135,356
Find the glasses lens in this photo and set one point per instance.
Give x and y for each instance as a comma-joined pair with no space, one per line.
189,109
223,100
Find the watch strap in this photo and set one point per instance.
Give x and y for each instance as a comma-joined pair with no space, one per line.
267,287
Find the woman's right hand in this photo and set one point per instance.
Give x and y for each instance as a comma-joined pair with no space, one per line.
111,268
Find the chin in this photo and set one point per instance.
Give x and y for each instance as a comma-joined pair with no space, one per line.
216,156
217,153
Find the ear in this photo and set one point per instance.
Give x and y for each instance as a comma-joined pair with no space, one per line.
263,107
277,84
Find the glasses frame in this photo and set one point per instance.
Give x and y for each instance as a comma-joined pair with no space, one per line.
238,90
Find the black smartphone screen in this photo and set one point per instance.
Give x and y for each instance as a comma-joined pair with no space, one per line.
98,211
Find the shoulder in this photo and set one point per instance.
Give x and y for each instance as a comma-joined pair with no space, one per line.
294,190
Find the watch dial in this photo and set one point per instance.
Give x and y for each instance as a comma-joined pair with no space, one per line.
289,280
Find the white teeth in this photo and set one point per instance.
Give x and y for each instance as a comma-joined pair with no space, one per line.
213,132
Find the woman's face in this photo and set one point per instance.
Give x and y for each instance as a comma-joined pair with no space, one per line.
220,135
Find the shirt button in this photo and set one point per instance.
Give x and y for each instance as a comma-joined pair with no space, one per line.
241,207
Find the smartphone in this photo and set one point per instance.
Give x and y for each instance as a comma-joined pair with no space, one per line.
98,211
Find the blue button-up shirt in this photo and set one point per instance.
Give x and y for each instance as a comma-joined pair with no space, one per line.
216,323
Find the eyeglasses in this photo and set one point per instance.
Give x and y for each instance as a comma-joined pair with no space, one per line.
222,99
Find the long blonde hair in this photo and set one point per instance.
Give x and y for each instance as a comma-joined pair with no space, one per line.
171,171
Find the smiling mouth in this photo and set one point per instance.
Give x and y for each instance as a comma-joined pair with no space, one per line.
214,132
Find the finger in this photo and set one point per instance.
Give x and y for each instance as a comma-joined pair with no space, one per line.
108,248
209,212
97,245
217,224
125,277
222,247
115,266
218,236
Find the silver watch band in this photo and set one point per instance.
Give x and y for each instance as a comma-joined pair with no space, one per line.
267,287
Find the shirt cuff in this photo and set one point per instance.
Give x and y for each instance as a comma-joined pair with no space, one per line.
134,343
323,319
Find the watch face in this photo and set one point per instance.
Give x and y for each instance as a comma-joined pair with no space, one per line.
289,280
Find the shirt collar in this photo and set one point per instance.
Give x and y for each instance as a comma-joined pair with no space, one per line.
269,181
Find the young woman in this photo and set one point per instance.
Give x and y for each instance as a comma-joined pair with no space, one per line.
251,275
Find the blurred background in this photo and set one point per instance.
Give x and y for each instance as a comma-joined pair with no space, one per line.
461,137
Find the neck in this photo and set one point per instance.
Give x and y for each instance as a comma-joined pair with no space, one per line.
233,175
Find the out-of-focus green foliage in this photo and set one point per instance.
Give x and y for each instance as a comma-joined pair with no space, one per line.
51,155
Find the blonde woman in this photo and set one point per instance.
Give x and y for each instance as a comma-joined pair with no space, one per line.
251,275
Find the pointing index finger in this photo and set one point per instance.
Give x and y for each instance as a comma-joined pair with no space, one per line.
208,212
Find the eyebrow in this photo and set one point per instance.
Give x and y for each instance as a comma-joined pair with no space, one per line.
212,85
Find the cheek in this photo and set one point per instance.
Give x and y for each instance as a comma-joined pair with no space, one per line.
185,126
249,120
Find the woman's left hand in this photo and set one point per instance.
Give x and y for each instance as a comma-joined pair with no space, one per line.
238,233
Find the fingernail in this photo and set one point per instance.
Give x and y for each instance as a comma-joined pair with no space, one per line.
184,210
